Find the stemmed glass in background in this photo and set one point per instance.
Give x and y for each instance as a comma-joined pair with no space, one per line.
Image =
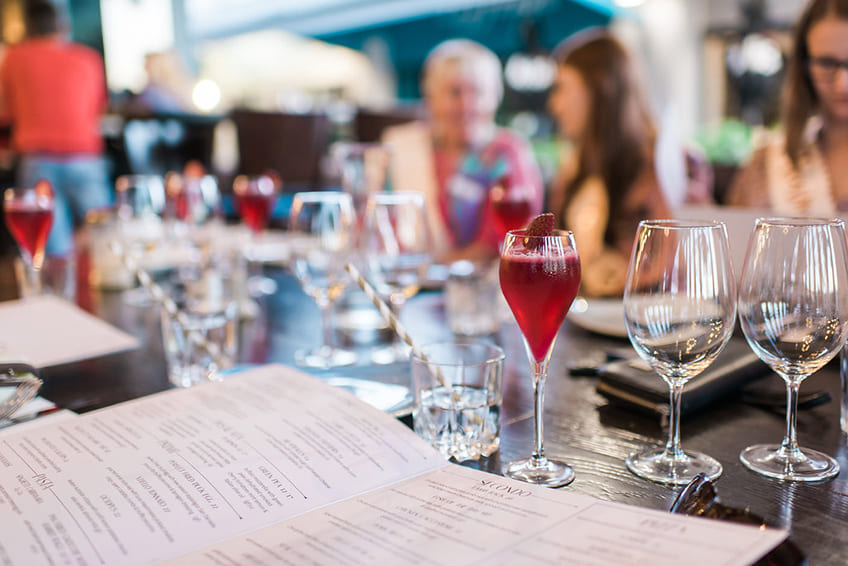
793,307
539,277
29,215
679,308
512,206
324,222
363,170
395,244
255,201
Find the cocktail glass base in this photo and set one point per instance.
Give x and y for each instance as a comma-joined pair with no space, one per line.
658,466
540,471
773,461
325,357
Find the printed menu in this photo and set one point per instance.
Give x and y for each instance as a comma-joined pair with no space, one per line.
272,466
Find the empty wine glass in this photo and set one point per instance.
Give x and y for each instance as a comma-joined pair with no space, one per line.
29,215
324,224
793,307
396,245
539,278
679,308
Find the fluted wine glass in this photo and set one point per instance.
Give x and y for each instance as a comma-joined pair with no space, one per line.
324,223
395,245
793,308
539,278
679,308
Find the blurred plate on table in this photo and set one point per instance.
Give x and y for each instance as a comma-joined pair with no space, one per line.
601,316
390,398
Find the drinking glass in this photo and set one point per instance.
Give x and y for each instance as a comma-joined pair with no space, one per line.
324,222
363,170
395,243
679,309
141,206
793,307
255,198
539,278
29,215
512,206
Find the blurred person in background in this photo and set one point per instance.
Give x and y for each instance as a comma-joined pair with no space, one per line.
459,158
607,182
804,169
53,92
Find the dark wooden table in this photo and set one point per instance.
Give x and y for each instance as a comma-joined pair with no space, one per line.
579,425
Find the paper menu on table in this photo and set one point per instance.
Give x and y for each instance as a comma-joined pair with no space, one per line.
48,331
459,516
272,457
161,476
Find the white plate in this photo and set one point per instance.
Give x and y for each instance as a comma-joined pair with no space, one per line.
601,316
393,399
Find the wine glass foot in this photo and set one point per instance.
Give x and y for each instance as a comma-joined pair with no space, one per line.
658,466
395,353
772,461
549,473
325,357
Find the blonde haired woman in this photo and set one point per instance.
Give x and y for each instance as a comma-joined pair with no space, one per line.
459,158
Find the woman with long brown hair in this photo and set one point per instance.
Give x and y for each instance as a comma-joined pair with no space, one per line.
804,170
608,183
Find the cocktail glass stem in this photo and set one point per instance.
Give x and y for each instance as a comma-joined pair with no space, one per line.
539,372
32,267
672,447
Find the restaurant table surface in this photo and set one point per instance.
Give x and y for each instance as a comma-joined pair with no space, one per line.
580,427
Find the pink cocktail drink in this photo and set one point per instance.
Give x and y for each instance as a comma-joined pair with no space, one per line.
539,286
540,275
255,210
29,225
510,214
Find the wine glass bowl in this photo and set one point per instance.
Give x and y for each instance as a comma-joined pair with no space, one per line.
793,308
679,310
395,244
29,216
539,278
255,197
323,222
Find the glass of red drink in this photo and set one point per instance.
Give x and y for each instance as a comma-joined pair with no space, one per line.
539,278
255,200
512,207
29,215
679,309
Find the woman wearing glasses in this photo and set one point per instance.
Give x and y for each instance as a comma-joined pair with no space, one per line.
805,171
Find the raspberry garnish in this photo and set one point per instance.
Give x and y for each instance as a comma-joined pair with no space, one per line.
541,226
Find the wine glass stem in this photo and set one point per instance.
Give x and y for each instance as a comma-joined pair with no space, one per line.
539,371
672,447
790,442
326,324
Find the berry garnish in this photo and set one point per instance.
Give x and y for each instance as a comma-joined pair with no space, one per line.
539,227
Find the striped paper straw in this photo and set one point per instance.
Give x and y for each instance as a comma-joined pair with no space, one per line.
167,303
396,325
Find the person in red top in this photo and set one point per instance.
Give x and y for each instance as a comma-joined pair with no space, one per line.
53,92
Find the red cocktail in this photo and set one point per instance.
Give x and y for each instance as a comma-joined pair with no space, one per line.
539,290
510,214
256,198
29,215
540,274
